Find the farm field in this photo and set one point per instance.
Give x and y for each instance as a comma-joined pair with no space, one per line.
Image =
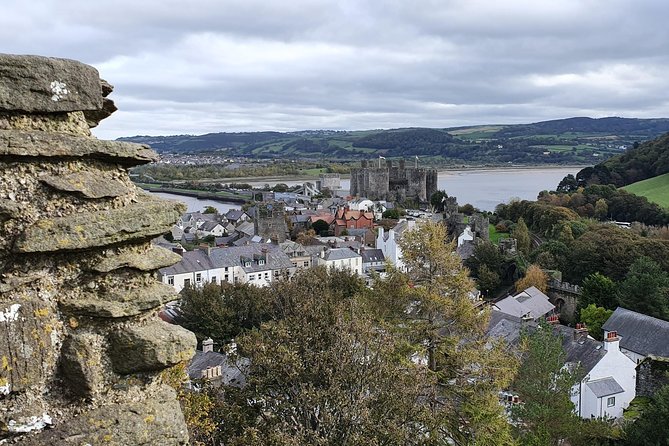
656,189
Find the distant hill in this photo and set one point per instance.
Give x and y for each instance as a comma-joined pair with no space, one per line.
643,161
656,189
563,141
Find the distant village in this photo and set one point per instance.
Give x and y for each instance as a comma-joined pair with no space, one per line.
290,231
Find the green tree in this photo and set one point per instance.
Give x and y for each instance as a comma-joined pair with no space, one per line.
546,414
321,227
599,290
438,199
522,236
646,289
594,317
210,210
391,213
322,373
487,280
651,428
601,209
223,311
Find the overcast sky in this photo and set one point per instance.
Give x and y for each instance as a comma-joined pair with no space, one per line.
243,65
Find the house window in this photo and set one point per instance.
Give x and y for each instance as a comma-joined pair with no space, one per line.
186,282
227,278
170,280
198,277
611,401
252,277
213,279
306,264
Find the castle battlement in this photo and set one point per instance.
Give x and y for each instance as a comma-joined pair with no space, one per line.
393,181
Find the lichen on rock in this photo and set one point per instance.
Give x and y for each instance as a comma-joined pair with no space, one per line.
80,343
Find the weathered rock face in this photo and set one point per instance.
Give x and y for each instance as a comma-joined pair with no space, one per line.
81,347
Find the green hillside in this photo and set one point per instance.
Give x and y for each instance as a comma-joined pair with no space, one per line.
582,141
656,189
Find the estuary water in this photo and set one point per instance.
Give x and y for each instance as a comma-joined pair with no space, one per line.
483,188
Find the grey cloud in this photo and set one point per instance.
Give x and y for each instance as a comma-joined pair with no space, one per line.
211,65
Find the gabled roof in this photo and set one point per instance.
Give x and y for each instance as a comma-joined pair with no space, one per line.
209,225
640,333
191,261
247,228
604,387
327,218
530,302
340,254
581,350
234,214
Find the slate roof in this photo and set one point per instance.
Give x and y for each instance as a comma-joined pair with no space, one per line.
191,261
340,254
639,333
604,387
531,301
247,228
209,225
231,374
578,350
234,214
373,255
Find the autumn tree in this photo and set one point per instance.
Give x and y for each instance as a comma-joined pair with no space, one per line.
522,236
534,277
470,367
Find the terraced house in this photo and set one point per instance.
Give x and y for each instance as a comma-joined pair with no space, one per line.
257,264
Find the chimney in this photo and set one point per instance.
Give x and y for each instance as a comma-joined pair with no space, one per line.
580,333
179,250
208,345
553,319
612,341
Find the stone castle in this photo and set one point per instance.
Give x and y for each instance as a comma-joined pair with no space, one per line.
393,182
83,356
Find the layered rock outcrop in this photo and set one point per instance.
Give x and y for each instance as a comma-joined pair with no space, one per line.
82,351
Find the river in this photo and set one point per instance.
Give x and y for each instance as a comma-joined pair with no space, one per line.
483,188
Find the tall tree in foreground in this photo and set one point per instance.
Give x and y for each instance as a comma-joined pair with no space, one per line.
470,367
324,374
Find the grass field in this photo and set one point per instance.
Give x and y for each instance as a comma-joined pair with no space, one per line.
656,189
495,236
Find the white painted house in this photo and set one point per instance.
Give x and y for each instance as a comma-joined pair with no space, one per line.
607,381
341,258
609,386
257,264
388,243
466,236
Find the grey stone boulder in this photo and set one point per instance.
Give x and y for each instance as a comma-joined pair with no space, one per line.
151,347
37,84
88,183
150,258
81,363
46,144
138,221
155,421
120,303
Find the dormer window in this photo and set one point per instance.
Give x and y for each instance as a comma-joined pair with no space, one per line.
261,261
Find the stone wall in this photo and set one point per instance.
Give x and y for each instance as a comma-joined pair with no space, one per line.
652,375
81,347
393,182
